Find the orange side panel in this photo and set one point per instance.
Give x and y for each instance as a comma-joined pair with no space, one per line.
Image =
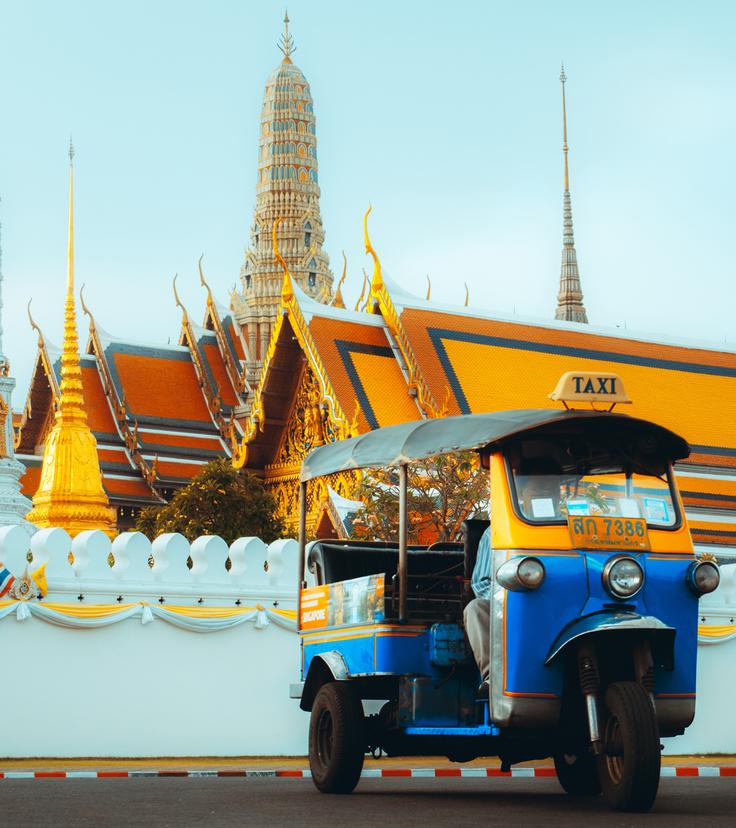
510,532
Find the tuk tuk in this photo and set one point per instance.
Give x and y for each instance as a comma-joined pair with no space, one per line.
593,606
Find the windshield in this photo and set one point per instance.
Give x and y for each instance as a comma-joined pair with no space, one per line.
552,481
545,497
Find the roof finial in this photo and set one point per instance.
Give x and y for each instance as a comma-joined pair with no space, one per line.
377,280
71,150
287,289
570,296
563,79
287,41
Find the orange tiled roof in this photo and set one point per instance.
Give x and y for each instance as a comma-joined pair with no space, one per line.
200,445
177,472
487,364
119,488
234,340
215,364
99,416
362,368
159,384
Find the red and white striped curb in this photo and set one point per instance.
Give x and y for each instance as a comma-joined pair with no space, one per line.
368,773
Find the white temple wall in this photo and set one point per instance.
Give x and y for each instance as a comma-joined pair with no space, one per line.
129,690
102,666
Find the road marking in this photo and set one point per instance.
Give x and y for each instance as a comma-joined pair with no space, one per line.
667,771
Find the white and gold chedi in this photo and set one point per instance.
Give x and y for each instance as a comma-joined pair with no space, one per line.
70,493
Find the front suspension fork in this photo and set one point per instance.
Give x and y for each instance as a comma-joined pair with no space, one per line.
590,684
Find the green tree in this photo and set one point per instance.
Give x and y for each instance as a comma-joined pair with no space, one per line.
441,493
220,500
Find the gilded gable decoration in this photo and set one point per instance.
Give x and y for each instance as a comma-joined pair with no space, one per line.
382,301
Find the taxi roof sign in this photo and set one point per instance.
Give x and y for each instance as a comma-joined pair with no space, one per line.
590,387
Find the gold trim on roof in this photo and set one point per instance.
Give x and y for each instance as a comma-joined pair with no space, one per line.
210,388
382,301
339,424
237,376
119,408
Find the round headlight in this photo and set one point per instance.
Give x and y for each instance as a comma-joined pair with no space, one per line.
703,577
530,572
520,574
623,577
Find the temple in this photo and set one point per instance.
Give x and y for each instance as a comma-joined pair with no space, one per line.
287,189
287,366
331,373
570,296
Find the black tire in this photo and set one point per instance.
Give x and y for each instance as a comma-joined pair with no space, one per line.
630,765
578,774
336,738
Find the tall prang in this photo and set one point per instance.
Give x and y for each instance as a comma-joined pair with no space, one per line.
70,493
570,305
288,189
13,505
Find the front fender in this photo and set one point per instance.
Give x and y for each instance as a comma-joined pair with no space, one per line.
327,666
616,622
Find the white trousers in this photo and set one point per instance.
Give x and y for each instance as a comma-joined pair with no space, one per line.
477,618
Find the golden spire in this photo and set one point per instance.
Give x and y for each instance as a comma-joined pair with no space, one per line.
70,492
287,41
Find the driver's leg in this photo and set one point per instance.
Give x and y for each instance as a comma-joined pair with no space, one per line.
477,617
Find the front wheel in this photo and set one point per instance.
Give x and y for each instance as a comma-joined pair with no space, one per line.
336,738
630,764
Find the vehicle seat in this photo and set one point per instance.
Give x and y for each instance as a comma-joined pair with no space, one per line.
472,529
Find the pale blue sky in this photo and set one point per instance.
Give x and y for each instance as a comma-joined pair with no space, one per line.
447,119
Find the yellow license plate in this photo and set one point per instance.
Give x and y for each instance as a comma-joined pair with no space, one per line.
600,532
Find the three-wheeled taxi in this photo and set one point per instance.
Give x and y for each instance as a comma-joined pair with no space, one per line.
593,605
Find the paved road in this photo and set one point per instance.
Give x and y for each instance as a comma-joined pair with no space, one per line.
401,802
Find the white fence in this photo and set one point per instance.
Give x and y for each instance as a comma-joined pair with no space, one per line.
132,653
148,657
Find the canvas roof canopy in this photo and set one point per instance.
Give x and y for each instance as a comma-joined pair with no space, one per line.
419,440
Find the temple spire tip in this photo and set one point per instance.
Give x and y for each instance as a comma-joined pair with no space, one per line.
286,44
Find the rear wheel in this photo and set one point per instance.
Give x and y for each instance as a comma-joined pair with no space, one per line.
630,764
578,773
336,738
